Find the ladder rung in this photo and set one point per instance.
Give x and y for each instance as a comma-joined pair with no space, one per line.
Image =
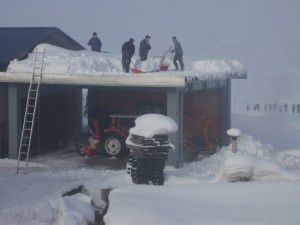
26,137
23,153
26,145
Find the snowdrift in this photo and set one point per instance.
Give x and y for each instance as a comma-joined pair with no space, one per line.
61,61
249,203
253,161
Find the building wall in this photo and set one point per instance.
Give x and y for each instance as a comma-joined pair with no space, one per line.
3,120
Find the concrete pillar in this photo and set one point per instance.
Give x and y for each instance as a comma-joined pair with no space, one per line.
226,111
14,120
174,111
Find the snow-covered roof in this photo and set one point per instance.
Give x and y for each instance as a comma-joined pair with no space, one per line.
85,67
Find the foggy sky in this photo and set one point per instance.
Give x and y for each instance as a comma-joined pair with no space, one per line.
263,34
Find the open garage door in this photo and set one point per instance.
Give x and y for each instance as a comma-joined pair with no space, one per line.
201,122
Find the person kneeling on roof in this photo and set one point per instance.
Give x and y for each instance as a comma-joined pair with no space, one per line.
128,50
178,54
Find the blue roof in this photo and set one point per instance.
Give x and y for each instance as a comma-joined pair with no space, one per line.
18,42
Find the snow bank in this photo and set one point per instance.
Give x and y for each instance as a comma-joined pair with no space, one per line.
62,61
78,210
227,203
36,198
151,124
216,66
290,158
246,167
85,62
238,168
255,160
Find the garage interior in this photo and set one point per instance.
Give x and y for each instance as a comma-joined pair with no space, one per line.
202,115
58,117
202,129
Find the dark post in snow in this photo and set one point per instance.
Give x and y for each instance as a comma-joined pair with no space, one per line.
234,134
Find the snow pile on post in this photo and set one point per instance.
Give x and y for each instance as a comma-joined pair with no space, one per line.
62,61
149,146
233,132
151,124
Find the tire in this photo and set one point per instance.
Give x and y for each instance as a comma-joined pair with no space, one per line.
114,145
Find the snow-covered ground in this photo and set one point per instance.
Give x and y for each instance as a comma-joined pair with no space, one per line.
37,198
227,203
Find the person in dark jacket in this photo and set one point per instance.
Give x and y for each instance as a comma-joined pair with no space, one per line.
95,43
144,48
178,54
128,50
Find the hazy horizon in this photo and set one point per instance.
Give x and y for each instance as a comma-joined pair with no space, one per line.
264,35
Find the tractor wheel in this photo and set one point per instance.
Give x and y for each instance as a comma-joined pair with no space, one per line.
114,145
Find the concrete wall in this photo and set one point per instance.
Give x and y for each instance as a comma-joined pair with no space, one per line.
14,119
3,120
174,111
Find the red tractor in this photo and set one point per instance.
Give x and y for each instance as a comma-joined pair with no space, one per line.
109,141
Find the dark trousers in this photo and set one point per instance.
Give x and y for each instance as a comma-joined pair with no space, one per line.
143,58
178,58
126,59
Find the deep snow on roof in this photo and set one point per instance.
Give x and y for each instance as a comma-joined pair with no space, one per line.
61,61
17,42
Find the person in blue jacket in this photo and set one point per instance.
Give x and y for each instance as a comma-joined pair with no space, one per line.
95,43
178,54
144,48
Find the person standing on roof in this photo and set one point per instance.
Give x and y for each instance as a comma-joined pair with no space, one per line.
144,48
95,43
178,54
128,50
